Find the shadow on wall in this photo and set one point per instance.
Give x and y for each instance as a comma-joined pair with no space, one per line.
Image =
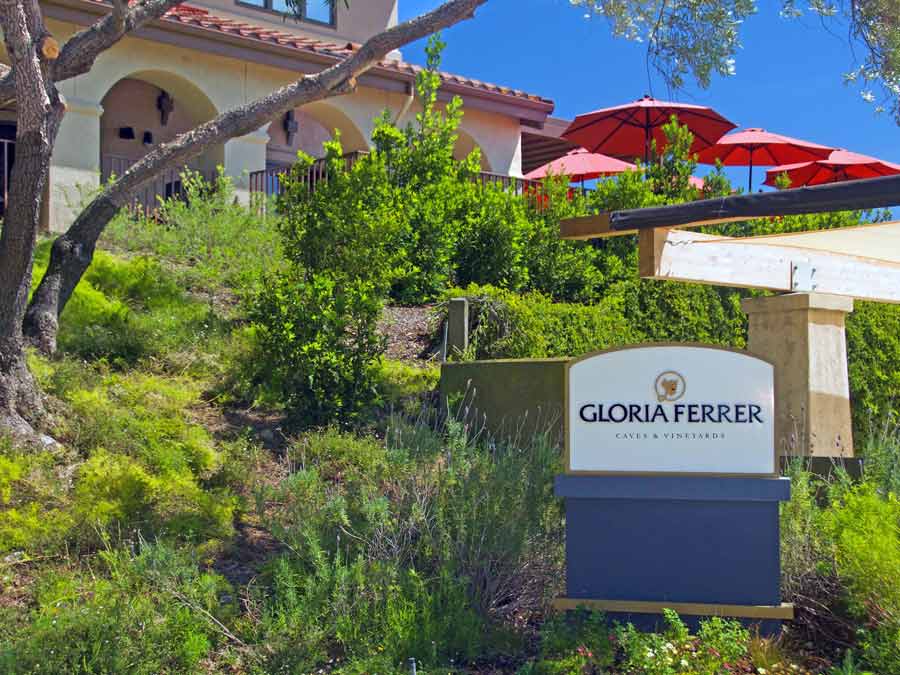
507,399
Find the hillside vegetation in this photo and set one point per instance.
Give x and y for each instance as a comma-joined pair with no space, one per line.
244,483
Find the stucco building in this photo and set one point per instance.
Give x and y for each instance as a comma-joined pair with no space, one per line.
210,55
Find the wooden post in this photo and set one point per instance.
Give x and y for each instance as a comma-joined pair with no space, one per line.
803,335
457,326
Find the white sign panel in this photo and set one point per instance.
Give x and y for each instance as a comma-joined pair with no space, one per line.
671,409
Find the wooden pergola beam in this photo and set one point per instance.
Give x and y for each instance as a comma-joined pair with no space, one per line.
679,255
856,195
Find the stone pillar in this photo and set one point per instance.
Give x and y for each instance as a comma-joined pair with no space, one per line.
75,164
457,326
803,335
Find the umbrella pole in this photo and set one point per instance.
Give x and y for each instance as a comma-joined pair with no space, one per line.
750,179
646,136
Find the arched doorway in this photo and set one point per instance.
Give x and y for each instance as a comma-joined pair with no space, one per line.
144,110
306,129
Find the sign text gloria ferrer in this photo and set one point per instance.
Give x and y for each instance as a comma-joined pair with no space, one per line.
670,409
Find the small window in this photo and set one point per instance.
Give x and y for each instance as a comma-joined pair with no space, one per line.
320,11
313,11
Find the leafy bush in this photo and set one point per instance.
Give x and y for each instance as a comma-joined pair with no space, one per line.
865,530
145,613
211,237
319,346
508,325
873,351
426,545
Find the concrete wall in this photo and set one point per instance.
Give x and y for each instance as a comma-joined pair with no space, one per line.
507,398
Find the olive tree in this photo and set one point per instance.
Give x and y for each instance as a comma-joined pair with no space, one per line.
37,64
699,38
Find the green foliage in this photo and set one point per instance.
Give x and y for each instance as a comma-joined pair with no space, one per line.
508,325
881,449
584,632
864,528
416,546
144,613
134,462
695,39
701,39
319,346
873,350
400,382
584,642
212,239
126,311
562,269
719,644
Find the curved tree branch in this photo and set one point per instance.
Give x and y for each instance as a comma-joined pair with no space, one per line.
73,251
78,54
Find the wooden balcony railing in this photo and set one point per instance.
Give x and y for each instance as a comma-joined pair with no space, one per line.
269,180
146,199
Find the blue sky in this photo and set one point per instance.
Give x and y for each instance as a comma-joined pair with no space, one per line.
788,76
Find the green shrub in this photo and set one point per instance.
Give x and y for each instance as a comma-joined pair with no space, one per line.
565,633
507,325
569,271
319,346
865,530
212,238
873,352
718,646
426,545
147,613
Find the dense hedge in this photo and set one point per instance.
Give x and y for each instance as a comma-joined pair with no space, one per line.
505,324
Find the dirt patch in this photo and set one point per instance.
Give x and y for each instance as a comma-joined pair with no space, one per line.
410,332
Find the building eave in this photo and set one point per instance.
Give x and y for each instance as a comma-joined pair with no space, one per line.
398,77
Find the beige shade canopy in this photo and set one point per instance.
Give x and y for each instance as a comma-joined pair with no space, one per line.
880,241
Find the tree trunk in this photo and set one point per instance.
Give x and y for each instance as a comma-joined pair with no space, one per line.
20,401
73,251
39,112
70,257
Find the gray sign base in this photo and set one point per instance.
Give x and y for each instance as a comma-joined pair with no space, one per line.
702,546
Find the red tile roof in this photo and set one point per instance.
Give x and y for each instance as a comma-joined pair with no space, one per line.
195,16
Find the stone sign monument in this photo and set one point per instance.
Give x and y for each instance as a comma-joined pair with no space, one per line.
671,485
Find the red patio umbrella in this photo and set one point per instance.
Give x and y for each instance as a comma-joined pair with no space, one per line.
579,164
627,130
841,165
761,148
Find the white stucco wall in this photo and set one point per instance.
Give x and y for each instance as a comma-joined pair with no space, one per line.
354,23
204,84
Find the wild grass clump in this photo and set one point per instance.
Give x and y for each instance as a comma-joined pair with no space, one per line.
127,311
841,557
212,240
150,611
134,463
437,550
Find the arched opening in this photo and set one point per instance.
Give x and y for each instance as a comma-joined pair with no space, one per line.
306,129
142,111
465,144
